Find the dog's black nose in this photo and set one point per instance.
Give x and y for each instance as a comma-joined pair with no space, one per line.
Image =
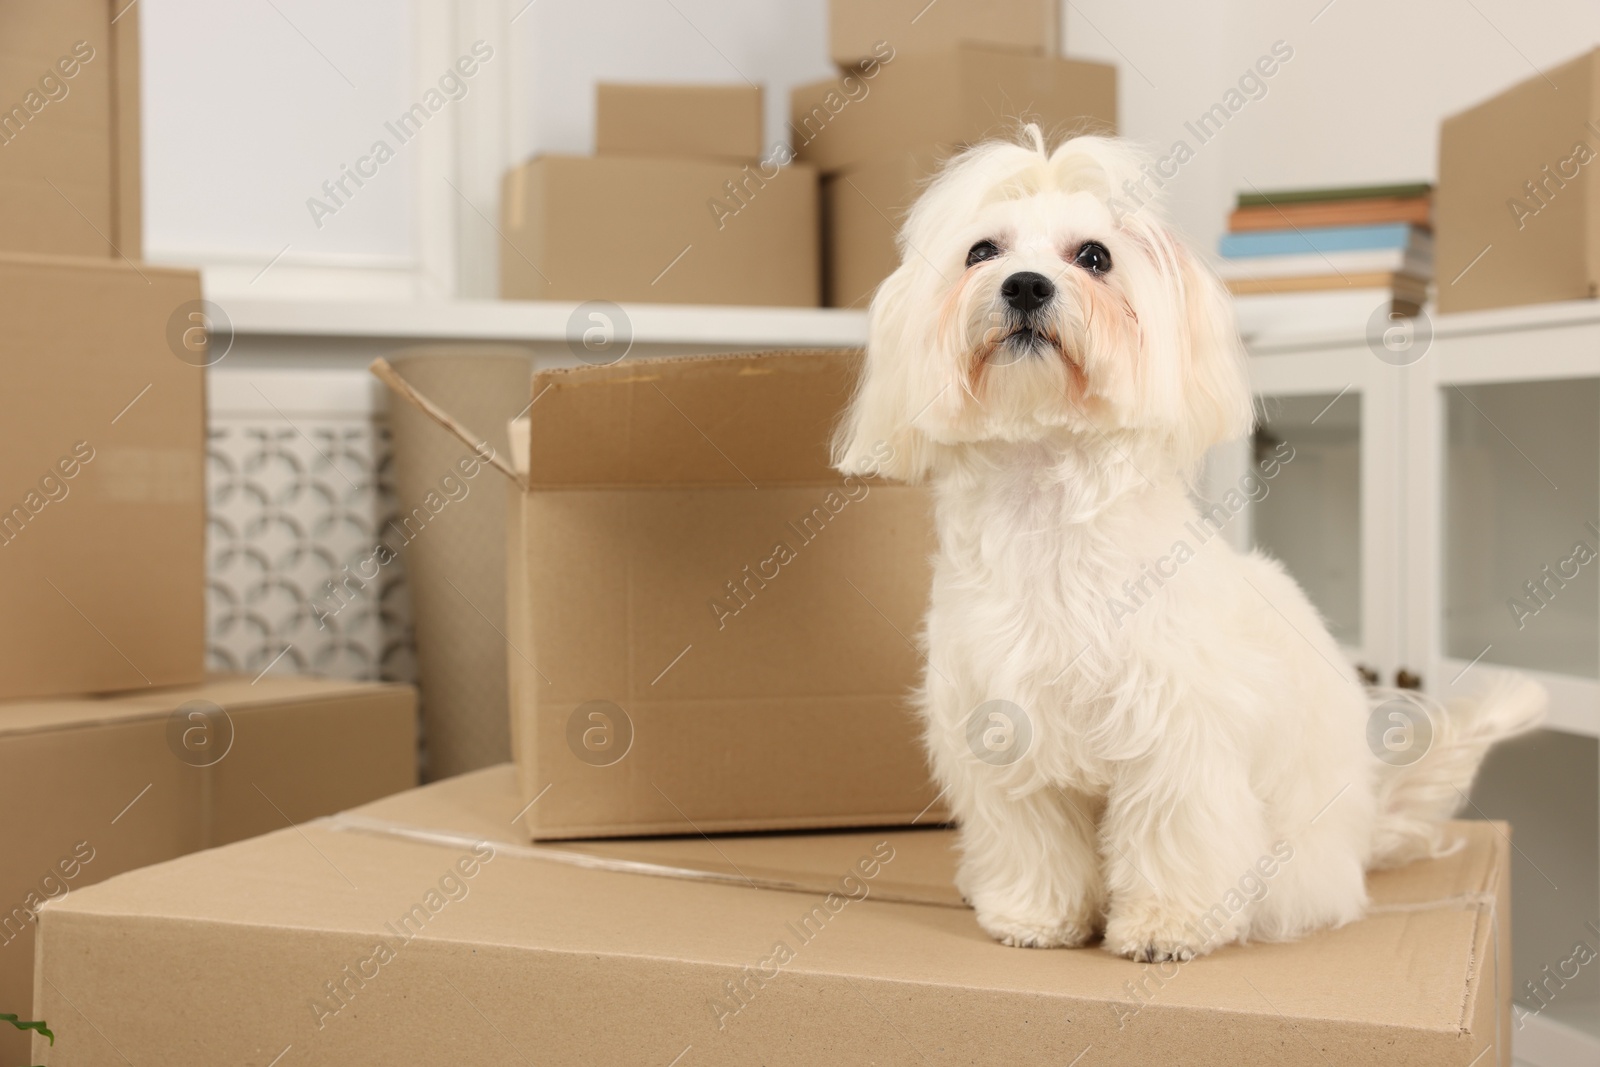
1027,291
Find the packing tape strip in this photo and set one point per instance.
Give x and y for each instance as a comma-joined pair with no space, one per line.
351,823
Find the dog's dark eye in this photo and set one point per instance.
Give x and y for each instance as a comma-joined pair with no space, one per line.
1093,257
981,251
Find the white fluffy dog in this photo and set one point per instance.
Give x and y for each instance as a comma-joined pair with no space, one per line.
1178,768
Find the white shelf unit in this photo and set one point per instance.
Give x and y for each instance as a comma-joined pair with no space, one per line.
1479,462
543,324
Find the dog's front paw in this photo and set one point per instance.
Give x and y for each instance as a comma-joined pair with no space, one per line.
1020,933
1148,936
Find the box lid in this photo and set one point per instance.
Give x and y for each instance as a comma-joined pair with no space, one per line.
596,965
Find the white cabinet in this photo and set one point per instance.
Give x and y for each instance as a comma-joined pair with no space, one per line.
1442,510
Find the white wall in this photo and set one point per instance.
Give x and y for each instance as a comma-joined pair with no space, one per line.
570,46
245,119
1360,102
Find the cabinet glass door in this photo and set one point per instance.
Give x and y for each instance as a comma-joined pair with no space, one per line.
1503,553
1328,435
1310,519
1521,500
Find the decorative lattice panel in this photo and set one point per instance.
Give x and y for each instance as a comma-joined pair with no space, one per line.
296,511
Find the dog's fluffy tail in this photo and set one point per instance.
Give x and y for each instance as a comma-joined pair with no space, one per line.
1416,799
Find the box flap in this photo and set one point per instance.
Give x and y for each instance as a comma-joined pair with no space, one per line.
725,420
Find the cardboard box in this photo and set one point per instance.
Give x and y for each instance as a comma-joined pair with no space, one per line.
69,127
1517,207
660,231
863,209
682,121
463,945
856,27
96,787
947,99
710,628
102,501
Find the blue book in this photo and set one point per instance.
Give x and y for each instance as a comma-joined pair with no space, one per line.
1321,239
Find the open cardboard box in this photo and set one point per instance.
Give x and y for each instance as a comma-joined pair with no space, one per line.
710,629
423,929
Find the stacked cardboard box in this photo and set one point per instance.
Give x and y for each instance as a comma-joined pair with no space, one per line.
679,206
1361,248
69,128
102,525
1518,211
97,786
102,495
856,28
917,83
464,944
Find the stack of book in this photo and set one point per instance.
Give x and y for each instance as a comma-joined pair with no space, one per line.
1330,253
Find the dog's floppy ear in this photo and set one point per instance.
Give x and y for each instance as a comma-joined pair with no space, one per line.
877,436
1206,361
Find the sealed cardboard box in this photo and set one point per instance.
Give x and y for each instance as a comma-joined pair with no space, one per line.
1517,207
863,209
845,948
947,99
709,627
681,121
95,787
652,230
102,504
69,127
857,28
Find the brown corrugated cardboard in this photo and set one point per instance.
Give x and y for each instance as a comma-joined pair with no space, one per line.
856,27
682,121
69,127
863,209
1517,207
462,945
95,787
102,507
947,99
459,568
661,231
710,628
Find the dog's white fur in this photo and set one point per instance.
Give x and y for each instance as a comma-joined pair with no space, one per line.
1173,747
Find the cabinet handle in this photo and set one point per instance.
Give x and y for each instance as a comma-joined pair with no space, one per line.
1404,679
1368,675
